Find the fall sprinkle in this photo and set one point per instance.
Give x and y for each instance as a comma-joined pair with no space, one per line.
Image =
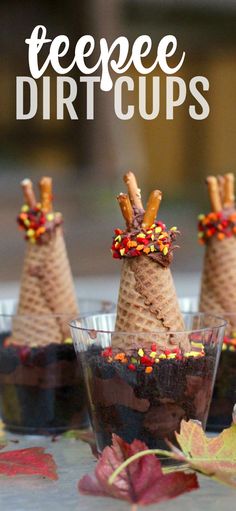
216,224
135,243
37,224
147,360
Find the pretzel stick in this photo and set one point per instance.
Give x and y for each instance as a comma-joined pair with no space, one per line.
28,191
133,190
152,209
221,185
126,208
228,201
214,193
45,185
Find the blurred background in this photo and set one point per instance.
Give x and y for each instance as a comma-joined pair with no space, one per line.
88,158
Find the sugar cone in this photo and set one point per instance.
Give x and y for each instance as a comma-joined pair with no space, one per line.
218,288
46,288
147,302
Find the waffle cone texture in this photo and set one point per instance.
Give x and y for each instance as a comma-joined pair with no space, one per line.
46,289
218,287
147,302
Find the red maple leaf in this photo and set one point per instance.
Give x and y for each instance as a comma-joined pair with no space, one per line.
142,482
32,461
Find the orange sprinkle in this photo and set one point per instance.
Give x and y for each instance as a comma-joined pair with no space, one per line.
140,247
148,369
119,356
146,250
220,236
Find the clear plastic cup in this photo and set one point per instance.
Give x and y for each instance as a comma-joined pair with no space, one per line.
41,387
224,394
138,390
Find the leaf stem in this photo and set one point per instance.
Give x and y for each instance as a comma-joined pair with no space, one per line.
137,456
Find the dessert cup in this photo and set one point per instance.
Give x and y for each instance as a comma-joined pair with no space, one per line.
41,387
144,393
224,394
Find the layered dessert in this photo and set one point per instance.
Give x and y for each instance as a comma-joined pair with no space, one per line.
153,373
217,232
41,386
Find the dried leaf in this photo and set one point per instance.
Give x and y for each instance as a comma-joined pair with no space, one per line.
143,482
32,461
215,457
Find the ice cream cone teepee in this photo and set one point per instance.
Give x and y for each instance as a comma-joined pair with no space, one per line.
147,299
217,231
46,287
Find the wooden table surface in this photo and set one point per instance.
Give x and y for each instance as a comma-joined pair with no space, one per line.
74,459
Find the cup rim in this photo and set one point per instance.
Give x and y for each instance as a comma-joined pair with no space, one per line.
222,323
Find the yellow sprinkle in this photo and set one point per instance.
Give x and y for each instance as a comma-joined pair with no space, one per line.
193,354
197,345
30,233
140,247
200,217
165,250
142,235
118,238
27,222
153,225
149,232
152,237
224,347
158,229
231,348
162,236
173,228
162,356
50,216
68,340
152,248
25,208
171,355
122,251
157,360
140,352
153,354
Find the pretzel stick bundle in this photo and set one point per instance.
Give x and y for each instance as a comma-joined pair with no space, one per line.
147,298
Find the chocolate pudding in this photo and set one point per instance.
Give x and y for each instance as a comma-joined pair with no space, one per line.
41,388
136,400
